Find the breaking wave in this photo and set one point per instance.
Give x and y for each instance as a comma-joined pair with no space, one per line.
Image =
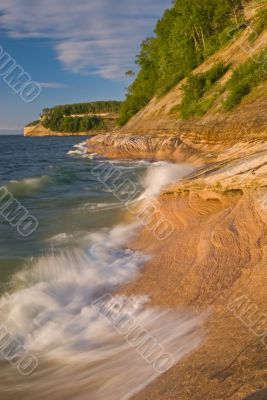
27,186
51,310
161,174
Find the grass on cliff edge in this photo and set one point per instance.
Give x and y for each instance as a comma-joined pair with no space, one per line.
33,123
193,102
259,25
245,78
187,34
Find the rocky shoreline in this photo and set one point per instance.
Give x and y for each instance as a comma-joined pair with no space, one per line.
215,258
216,255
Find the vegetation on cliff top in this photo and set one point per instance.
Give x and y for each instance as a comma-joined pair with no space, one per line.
81,117
58,122
96,107
260,24
187,34
33,123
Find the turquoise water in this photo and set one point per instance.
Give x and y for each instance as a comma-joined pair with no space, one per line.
78,253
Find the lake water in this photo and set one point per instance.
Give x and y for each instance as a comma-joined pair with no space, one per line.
77,253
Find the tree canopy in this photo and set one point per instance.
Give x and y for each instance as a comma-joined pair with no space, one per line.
188,33
80,117
95,107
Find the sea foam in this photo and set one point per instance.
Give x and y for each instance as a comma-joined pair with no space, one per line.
51,310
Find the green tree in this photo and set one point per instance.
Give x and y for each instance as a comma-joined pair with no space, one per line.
187,34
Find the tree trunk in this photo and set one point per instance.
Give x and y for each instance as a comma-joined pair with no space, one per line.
203,41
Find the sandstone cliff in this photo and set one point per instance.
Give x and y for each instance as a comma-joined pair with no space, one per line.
215,258
40,130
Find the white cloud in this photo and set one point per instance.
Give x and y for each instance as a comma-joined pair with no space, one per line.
10,128
53,85
99,37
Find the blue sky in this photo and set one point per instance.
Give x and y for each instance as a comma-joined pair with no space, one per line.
78,50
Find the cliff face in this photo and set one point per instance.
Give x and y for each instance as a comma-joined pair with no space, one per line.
215,261
163,131
251,114
215,258
40,130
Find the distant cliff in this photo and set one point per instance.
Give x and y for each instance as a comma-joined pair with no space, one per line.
40,130
75,119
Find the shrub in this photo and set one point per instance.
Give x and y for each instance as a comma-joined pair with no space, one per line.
186,35
260,24
237,94
170,84
196,87
245,78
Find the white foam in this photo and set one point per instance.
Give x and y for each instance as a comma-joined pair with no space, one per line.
80,145
61,238
50,310
100,206
68,281
27,185
161,174
81,151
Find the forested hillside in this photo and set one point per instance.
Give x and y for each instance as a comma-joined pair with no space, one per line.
85,108
81,117
187,34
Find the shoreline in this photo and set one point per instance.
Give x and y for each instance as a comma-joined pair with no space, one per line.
215,258
216,255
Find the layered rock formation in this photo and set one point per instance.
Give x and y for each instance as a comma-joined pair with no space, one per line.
40,130
215,258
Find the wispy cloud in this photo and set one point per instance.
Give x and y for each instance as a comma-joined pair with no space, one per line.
54,85
97,37
9,128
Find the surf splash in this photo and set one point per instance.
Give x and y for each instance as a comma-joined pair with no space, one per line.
80,150
51,313
161,174
27,186
50,309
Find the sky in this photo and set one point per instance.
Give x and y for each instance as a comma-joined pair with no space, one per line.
77,50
